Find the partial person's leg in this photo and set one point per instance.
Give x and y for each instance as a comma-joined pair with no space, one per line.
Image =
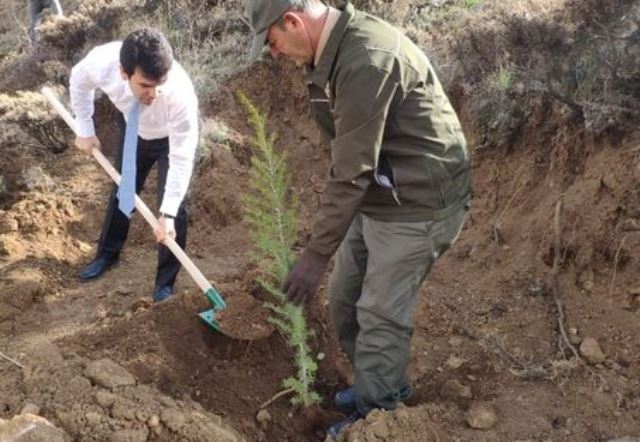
55,7
345,286
35,17
168,264
116,224
400,256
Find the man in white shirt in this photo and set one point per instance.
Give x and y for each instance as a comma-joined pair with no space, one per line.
141,69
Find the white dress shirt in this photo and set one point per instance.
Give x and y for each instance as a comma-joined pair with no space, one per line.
173,114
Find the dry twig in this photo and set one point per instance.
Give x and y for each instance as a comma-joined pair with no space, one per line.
555,272
11,360
612,284
497,224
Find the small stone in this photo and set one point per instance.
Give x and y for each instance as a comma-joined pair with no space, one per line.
93,418
173,419
140,305
123,409
481,416
30,408
380,429
575,340
141,416
107,373
8,225
38,429
100,312
452,389
263,418
573,331
591,351
456,341
122,291
83,246
153,421
105,399
321,356
588,285
168,402
454,362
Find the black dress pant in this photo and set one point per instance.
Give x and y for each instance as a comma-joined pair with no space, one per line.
116,224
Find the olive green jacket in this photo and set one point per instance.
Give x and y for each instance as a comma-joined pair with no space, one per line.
397,148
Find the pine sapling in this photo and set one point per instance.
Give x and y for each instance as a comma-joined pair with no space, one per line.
270,210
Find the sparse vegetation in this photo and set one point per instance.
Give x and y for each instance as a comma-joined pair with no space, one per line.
205,39
585,73
271,213
502,79
35,178
214,134
13,28
468,4
29,112
424,17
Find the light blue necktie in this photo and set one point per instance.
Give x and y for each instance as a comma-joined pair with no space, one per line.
127,190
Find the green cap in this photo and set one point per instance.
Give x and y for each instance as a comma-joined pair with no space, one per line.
262,14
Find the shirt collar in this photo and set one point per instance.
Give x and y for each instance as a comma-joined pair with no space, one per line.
319,74
333,15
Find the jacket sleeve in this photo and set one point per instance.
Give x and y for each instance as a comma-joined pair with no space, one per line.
364,96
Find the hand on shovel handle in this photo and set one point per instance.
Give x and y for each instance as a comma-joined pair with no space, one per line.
165,229
85,144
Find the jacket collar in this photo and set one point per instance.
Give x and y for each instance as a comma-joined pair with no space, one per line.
319,75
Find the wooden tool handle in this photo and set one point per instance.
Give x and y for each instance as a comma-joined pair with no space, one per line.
189,266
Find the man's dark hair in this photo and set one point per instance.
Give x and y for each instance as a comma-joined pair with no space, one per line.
148,49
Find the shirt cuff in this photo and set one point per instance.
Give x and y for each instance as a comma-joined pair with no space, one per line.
169,224
170,206
85,128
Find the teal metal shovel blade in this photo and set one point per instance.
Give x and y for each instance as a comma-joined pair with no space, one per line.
217,303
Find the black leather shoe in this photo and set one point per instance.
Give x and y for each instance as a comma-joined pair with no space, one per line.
97,267
162,293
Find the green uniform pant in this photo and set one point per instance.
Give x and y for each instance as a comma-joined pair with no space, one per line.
373,292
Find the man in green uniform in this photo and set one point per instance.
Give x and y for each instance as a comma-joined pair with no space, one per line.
397,192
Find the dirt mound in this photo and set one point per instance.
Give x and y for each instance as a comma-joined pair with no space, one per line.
245,317
404,424
97,405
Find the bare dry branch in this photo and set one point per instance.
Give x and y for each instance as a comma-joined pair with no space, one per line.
555,272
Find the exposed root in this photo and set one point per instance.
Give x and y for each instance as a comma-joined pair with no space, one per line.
616,259
555,272
277,396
